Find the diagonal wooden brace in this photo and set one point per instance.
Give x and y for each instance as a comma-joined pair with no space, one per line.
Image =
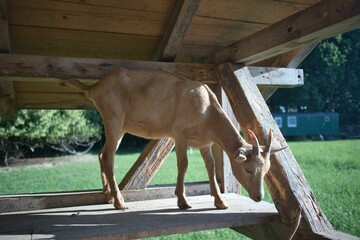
148,163
287,184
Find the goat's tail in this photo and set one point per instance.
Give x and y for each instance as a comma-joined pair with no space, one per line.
78,85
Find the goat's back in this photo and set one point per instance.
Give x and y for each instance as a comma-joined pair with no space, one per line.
152,103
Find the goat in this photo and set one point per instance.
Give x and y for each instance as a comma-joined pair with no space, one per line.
156,104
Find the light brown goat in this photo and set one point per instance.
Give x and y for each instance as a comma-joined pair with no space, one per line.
157,104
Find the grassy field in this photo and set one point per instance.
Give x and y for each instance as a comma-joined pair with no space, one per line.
331,168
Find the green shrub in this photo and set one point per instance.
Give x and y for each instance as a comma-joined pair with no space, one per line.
62,130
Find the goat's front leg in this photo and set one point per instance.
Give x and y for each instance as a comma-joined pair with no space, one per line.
206,153
182,164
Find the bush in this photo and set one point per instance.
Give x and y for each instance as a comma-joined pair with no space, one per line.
62,130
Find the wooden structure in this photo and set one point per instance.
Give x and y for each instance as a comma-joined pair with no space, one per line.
44,42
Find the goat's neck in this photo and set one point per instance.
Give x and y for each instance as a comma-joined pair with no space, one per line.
228,137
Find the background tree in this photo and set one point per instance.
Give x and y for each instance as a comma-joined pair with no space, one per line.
332,81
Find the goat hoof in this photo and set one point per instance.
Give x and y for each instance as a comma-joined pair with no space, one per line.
120,206
184,206
220,205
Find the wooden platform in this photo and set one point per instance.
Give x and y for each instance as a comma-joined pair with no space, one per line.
142,219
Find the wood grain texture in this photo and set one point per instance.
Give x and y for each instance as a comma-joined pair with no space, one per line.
4,28
38,201
176,29
141,219
93,18
285,180
147,165
322,20
76,43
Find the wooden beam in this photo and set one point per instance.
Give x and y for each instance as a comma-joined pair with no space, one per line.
180,20
38,201
14,67
291,59
148,163
4,29
89,68
319,21
225,177
142,219
7,93
286,182
7,101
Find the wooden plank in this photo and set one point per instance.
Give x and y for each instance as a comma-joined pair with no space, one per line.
37,201
148,163
322,20
281,77
7,93
142,219
4,28
52,101
77,43
63,67
163,6
42,87
290,59
95,18
7,101
53,69
218,31
256,11
225,177
285,180
176,29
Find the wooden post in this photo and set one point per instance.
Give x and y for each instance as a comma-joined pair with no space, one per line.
225,177
286,182
7,93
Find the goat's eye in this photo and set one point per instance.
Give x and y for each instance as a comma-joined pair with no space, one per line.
249,171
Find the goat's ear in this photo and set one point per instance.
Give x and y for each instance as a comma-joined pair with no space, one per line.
275,150
241,156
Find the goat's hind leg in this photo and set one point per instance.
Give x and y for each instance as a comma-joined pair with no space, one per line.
113,136
206,153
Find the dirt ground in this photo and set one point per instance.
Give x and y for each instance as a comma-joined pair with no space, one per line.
23,162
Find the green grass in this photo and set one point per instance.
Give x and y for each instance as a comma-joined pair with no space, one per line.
331,168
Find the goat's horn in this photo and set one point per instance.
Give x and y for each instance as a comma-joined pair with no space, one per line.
269,142
255,142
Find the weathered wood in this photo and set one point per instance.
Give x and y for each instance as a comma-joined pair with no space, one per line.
322,20
4,28
76,43
141,219
14,67
88,68
37,201
291,59
92,18
7,101
286,182
224,175
53,101
148,163
276,77
180,20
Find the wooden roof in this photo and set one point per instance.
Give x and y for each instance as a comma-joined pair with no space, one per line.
133,29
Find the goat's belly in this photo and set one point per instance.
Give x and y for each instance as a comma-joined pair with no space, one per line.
147,131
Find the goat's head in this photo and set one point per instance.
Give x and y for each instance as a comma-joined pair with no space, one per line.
251,163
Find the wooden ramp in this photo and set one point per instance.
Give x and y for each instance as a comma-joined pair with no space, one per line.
142,219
